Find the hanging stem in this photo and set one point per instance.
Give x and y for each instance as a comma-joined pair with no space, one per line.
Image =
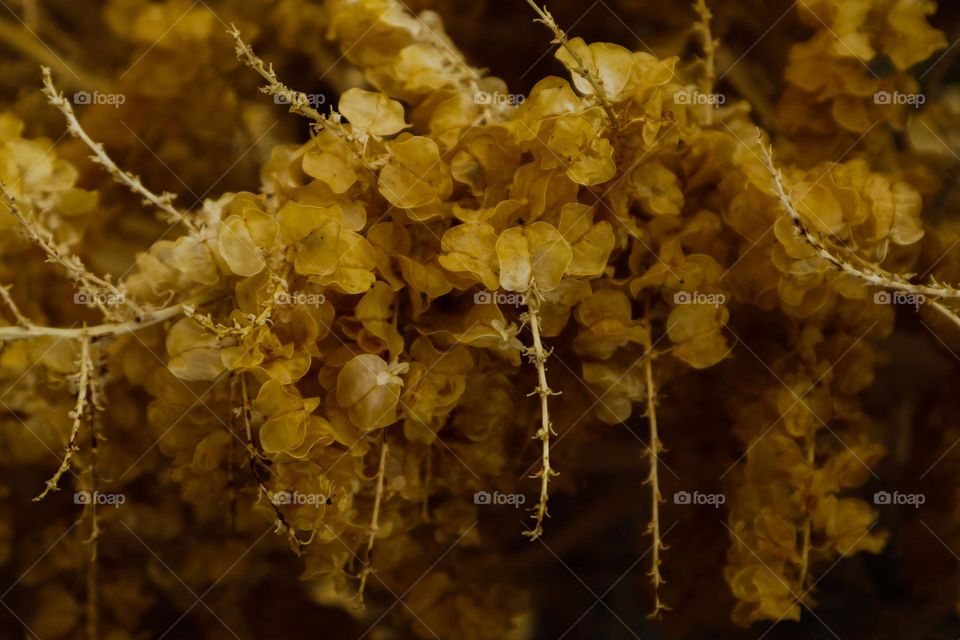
653,479
538,355
79,414
374,519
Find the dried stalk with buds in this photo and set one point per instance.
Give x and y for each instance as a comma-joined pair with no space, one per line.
538,356
81,414
163,201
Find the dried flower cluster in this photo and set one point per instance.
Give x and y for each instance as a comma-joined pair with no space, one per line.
322,386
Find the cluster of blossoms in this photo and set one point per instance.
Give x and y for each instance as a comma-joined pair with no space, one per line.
419,301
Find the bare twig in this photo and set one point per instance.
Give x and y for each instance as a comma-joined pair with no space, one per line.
538,356
93,567
108,329
374,520
653,479
80,414
21,319
299,102
164,201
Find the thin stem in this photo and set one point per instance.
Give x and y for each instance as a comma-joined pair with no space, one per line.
374,520
299,102
109,329
21,319
164,201
80,412
538,355
945,311
93,567
653,479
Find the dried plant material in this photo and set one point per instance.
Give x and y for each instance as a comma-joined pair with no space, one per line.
163,201
81,415
654,448
340,381
538,356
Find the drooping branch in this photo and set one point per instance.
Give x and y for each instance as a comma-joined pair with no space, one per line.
374,520
653,479
163,201
538,356
81,415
